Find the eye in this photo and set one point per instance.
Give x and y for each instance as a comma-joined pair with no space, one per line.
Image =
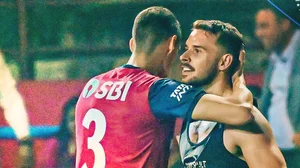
196,50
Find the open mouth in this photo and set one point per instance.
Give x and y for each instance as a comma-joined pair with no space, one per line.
186,68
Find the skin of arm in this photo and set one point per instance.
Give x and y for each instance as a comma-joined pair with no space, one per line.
257,144
233,110
12,103
222,110
16,115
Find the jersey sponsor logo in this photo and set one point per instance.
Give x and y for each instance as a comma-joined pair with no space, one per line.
108,90
193,163
180,90
90,88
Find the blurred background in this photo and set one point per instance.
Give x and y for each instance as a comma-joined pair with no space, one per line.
52,47
77,39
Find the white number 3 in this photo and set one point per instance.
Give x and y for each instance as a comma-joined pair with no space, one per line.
93,142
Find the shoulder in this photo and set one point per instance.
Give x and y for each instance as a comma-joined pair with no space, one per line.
169,85
168,88
256,142
165,82
172,98
256,131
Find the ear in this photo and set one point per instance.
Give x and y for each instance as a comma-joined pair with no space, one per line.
131,45
286,24
172,44
225,62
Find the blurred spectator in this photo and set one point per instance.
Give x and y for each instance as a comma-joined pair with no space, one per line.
66,136
61,149
280,100
15,114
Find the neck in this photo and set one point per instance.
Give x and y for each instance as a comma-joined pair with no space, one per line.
220,86
144,62
152,63
284,42
138,60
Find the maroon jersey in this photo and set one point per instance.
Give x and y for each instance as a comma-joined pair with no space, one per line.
115,125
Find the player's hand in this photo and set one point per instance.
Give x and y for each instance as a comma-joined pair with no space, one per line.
296,139
238,76
25,154
239,84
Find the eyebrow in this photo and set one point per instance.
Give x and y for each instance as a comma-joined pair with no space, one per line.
196,46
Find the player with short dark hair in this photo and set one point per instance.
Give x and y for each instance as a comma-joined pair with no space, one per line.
125,117
213,50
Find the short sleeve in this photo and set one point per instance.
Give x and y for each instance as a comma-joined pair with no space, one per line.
171,99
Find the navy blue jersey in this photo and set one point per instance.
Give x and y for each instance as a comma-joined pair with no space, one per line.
207,150
171,99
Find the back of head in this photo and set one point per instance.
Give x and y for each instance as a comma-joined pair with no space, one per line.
228,37
153,26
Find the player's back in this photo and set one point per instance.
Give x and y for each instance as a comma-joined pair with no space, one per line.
114,124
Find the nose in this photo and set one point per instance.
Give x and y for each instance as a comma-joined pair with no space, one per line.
258,32
184,58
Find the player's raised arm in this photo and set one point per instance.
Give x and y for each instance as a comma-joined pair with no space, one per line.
180,100
223,110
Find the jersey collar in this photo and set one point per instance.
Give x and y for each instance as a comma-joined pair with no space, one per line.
130,66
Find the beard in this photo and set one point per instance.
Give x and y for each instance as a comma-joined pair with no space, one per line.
203,81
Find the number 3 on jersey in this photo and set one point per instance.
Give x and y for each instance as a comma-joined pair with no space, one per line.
93,142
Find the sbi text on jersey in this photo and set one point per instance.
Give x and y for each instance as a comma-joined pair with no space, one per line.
180,90
108,90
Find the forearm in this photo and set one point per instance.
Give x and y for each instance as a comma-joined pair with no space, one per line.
12,103
223,110
15,112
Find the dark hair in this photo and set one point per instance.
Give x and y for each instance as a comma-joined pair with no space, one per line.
64,135
66,109
289,8
228,37
278,15
153,26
